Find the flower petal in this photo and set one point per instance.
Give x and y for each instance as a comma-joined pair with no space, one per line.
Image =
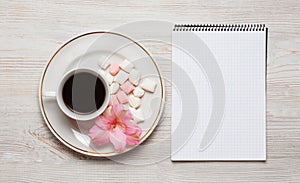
104,122
118,138
125,116
119,112
98,136
131,140
133,128
117,109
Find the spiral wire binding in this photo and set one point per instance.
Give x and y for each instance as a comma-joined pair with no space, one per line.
219,27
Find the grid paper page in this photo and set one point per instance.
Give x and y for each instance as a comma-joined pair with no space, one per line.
203,62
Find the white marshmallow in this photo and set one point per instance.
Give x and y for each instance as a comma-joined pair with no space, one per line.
102,72
107,111
137,115
121,77
126,66
125,107
148,85
103,64
134,77
138,92
109,78
134,101
114,87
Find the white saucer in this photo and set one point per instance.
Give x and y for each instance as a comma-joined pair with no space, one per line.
85,51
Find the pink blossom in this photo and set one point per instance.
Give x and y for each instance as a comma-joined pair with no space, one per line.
115,126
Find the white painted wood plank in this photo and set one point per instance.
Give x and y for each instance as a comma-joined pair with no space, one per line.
31,31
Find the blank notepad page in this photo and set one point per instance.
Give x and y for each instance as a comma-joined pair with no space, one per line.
218,92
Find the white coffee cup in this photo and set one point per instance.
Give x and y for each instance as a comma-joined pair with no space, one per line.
59,96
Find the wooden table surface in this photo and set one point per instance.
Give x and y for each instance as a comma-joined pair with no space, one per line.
31,31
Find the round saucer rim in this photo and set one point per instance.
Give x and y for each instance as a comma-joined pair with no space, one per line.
101,154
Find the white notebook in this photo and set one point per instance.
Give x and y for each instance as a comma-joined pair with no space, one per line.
219,92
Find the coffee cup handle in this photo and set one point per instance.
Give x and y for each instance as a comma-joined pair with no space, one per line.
49,94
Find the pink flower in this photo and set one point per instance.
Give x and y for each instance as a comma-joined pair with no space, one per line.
115,126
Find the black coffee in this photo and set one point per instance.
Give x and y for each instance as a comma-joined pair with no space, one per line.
83,93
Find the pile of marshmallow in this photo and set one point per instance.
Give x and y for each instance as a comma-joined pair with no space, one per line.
127,87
